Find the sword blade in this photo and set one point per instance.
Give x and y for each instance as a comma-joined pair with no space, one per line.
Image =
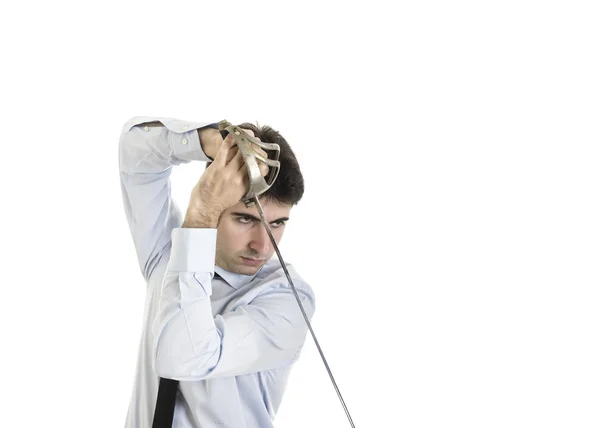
266,225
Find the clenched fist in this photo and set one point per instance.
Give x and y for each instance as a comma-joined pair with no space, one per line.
222,185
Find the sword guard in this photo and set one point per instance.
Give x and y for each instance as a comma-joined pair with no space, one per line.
258,183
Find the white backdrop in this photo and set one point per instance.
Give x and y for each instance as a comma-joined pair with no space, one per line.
449,227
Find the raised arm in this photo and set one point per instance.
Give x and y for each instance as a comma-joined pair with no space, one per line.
148,149
266,331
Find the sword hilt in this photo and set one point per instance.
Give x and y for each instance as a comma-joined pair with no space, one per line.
244,141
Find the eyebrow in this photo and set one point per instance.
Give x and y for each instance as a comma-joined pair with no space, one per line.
257,219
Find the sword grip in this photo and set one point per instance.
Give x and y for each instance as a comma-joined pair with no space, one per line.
258,184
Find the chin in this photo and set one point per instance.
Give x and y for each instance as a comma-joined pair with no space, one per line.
248,270
236,264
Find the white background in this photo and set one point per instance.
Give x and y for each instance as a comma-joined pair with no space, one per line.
450,226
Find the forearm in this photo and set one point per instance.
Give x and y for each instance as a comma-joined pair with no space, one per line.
200,216
153,145
199,221
148,149
209,141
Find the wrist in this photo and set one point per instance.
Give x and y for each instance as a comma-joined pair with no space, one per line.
199,223
208,141
197,217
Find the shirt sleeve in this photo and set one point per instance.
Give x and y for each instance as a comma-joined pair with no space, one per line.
148,149
190,344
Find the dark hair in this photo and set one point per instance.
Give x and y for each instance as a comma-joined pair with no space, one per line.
288,188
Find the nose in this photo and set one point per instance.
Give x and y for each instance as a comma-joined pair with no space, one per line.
261,243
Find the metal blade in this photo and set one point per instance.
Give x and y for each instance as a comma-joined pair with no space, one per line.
266,225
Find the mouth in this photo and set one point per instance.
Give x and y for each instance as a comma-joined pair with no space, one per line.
252,262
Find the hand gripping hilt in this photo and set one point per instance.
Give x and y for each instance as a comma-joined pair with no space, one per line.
244,141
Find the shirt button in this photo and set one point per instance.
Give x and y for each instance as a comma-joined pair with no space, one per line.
146,129
185,141
185,127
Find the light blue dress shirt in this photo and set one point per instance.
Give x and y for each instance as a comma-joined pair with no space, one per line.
230,341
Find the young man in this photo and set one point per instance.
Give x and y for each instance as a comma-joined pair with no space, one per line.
220,315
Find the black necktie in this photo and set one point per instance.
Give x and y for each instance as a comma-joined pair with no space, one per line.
165,400
165,403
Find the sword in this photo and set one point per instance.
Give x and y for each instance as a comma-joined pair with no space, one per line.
259,185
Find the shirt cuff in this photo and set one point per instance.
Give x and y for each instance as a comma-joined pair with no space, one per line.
185,141
193,250
183,138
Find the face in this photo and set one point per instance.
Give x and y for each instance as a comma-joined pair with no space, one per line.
243,244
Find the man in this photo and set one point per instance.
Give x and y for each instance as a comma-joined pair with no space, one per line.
220,316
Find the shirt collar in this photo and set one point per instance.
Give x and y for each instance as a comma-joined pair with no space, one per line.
236,280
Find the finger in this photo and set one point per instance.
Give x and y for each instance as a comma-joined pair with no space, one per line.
264,168
243,171
223,152
232,152
248,131
236,162
259,150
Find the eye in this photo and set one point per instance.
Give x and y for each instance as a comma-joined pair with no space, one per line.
244,219
277,224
